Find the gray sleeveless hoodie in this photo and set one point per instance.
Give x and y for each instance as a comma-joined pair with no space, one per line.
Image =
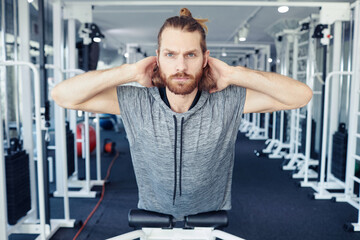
183,162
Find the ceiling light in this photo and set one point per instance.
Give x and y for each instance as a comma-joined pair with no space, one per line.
97,39
224,54
283,9
30,1
243,32
270,60
126,55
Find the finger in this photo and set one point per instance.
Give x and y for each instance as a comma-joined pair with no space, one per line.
148,61
211,60
214,63
149,67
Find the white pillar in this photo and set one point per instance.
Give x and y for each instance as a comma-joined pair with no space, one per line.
4,71
3,197
72,65
310,75
354,105
26,103
333,116
59,124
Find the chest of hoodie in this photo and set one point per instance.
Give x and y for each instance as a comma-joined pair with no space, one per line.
200,145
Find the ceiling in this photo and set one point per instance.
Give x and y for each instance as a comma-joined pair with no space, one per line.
127,23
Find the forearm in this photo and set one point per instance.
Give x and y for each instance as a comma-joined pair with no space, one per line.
282,89
81,88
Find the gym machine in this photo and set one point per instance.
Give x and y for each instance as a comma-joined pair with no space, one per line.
28,224
72,13
256,125
276,146
325,19
353,158
330,178
259,129
301,119
203,226
332,182
282,144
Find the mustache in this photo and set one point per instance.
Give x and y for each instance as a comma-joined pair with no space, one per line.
181,75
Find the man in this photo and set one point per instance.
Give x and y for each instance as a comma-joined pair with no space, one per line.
182,133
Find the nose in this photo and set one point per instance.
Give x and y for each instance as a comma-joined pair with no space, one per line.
181,64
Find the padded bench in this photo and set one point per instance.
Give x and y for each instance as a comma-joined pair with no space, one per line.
139,218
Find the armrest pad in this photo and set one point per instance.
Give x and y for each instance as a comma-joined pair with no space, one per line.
141,218
215,219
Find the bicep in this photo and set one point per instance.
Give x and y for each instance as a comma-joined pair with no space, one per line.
257,102
104,102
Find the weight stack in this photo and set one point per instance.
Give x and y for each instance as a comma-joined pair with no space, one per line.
17,185
303,135
262,120
270,124
286,130
339,149
70,150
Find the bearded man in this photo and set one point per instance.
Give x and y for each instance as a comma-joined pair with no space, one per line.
182,125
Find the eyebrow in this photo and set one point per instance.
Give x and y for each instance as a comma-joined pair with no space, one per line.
190,51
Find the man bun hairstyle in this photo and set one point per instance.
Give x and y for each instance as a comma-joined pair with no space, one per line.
187,23
186,12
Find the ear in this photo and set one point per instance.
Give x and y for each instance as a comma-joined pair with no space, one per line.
157,56
206,57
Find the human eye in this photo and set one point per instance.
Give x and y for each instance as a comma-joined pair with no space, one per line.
191,55
169,54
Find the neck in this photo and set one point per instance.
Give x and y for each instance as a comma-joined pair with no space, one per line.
180,103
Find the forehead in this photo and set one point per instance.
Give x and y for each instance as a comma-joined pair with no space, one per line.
178,40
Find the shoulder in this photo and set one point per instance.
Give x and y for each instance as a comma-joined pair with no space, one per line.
236,90
230,92
131,91
230,99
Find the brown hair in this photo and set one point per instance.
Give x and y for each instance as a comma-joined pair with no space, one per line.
187,23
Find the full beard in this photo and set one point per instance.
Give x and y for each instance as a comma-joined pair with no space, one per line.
181,88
